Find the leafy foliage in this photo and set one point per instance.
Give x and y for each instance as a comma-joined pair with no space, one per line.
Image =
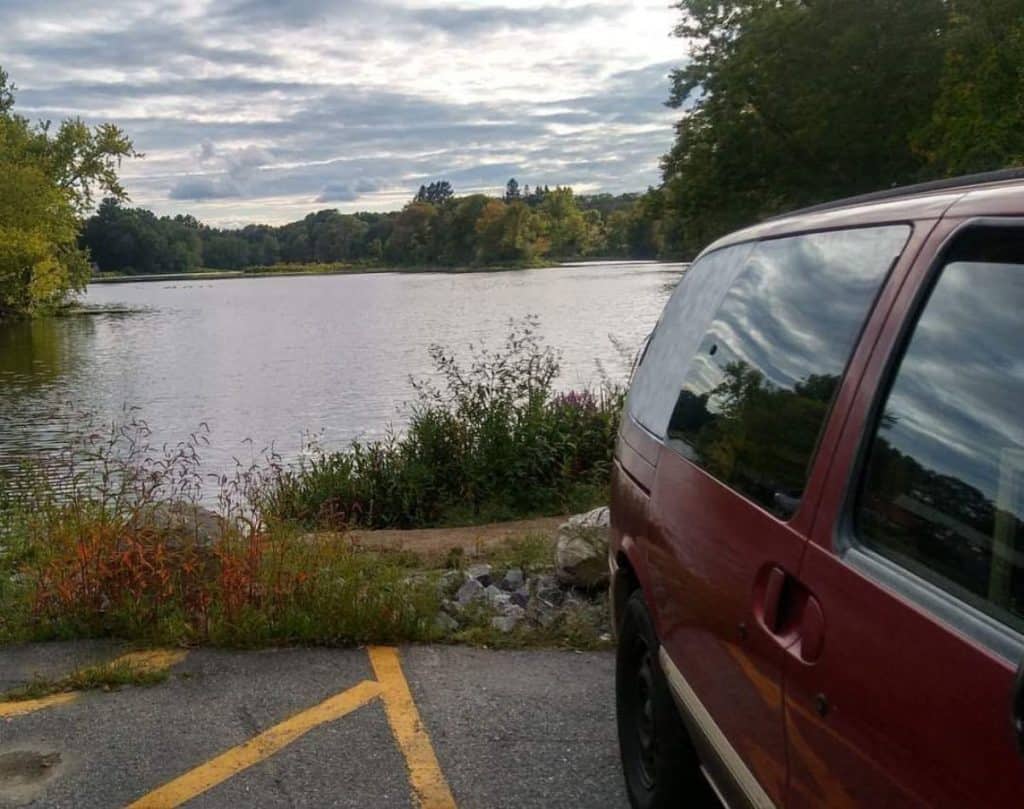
790,103
88,551
978,120
492,441
50,179
436,229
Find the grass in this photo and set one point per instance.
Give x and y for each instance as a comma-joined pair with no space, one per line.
103,676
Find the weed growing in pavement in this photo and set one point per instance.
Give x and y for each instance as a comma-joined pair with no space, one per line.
114,674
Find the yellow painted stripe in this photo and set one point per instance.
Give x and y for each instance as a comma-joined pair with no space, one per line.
152,659
233,761
425,777
26,706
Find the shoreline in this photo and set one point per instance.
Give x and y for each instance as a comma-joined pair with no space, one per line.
222,275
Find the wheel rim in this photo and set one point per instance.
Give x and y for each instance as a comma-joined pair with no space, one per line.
643,718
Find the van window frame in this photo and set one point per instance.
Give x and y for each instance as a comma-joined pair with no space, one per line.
942,603
869,312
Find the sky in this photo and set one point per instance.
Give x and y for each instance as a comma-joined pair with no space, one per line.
262,111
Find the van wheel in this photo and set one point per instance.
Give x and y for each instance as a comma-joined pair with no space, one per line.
658,760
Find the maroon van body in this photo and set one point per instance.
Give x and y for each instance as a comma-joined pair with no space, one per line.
832,583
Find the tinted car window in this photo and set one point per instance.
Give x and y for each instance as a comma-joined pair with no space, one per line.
755,396
679,330
944,486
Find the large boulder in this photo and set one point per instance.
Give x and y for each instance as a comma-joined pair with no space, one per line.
581,553
181,524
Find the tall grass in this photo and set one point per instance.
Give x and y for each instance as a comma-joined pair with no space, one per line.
489,439
107,539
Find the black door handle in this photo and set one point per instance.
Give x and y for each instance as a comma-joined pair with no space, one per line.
1018,707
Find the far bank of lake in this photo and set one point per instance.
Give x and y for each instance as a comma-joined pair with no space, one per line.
288,270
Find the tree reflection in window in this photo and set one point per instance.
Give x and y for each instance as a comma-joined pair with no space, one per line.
758,390
754,435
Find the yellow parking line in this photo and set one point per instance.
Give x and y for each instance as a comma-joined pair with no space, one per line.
239,758
425,776
26,706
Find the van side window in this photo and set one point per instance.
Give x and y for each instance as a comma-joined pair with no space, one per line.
756,394
685,318
943,491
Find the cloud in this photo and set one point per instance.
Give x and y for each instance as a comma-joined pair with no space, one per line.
275,106
202,188
338,192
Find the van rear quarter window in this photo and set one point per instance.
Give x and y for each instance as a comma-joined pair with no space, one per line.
943,491
686,316
755,395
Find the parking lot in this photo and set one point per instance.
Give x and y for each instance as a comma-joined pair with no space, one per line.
420,726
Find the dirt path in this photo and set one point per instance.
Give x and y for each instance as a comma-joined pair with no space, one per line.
470,538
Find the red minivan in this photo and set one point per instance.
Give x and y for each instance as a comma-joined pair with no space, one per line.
817,541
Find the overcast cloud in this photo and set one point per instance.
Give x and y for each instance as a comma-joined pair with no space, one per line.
257,110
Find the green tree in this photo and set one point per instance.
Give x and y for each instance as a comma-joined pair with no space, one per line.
978,121
412,238
49,180
460,234
437,193
565,226
509,233
794,102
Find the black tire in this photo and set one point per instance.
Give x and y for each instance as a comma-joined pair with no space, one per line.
658,760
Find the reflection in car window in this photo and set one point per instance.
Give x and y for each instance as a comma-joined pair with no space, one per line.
944,487
678,333
756,394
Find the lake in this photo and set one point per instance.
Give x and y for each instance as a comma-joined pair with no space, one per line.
277,359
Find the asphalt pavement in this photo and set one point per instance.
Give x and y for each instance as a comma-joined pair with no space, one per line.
425,727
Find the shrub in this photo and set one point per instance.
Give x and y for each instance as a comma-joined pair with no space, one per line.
97,542
493,440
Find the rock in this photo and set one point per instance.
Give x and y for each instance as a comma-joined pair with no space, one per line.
449,582
480,573
444,623
508,620
547,590
496,597
181,524
581,552
513,579
513,609
547,617
520,599
471,591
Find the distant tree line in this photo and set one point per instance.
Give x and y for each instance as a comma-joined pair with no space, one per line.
437,228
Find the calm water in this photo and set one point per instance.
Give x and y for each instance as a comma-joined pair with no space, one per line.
274,359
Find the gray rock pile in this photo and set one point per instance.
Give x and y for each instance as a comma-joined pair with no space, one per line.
508,599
